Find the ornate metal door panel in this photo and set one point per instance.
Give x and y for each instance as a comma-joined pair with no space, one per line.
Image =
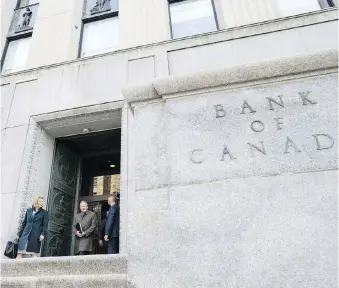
61,202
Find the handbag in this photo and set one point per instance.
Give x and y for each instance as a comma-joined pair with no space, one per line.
11,249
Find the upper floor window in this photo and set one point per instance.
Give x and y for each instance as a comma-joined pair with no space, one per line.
100,27
16,55
19,36
191,17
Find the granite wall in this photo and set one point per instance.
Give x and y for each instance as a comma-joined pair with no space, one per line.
235,177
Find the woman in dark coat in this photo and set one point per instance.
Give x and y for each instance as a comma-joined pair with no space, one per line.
33,230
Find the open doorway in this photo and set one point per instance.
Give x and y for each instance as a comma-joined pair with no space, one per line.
85,167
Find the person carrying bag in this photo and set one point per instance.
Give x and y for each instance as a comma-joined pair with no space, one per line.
33,230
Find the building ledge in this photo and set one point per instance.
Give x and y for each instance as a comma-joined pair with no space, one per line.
261,72
254,29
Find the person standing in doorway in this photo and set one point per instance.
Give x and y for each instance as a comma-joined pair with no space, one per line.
112,225
103,244
84,226
33,229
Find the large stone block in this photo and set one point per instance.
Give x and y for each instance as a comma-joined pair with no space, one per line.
93,83
7,203
201,58
7,92
150,144
141,70
50,9
268,46
70,265
56,49
23,104
327,36
11,157
280,128
276,231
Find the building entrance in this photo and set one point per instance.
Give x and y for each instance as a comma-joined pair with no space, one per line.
85,168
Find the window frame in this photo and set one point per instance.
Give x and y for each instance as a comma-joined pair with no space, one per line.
91,19
6,48
326,4
169,2
16,35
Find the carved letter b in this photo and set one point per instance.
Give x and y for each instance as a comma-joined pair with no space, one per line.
219,110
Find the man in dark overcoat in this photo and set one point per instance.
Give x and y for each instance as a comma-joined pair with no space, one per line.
113,225
84,226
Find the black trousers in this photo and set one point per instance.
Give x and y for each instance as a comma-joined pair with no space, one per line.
113,245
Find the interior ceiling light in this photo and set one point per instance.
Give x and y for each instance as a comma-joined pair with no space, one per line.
112,166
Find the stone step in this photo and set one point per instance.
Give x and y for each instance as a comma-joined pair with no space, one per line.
66,281
69,265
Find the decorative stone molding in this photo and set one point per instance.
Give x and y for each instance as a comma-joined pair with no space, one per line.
243,75
31,171
77,116
123,181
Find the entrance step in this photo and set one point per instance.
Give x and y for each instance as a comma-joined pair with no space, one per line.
66,281
72,271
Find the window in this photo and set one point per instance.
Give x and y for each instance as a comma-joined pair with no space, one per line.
101,27
100,36
16,55
191,17
105,185
19,36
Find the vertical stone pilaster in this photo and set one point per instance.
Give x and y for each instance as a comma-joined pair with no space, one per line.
243,12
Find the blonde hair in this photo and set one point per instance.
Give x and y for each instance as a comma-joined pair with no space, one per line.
36,203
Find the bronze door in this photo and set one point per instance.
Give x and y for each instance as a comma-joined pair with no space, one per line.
98,208
61,202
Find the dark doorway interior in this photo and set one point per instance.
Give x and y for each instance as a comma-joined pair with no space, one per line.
85,167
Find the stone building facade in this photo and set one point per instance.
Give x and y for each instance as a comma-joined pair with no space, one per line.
227,119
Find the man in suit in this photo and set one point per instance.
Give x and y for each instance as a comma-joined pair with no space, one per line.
112,225
87,221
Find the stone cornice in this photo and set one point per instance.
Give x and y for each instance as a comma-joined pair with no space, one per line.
261,72
270,26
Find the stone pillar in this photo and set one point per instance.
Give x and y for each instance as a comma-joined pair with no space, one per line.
242,12
143,22
56,32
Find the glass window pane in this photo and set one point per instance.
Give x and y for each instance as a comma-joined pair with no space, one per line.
293,7
192,17
16,55
100,36
105,185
